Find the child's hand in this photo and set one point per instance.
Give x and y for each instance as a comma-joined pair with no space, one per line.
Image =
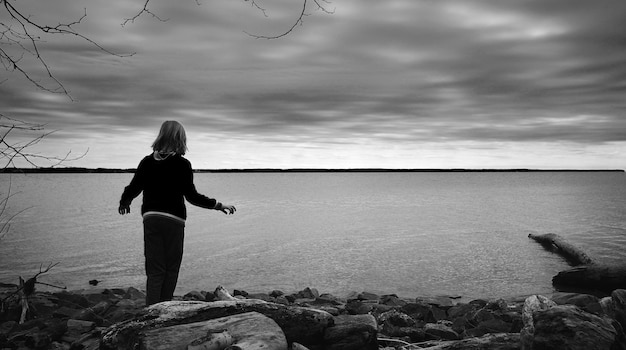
123,209
228,209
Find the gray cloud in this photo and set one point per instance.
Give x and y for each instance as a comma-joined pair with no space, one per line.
400,72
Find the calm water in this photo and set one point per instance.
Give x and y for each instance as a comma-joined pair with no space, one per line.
407,233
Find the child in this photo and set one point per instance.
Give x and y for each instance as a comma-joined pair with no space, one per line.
166,179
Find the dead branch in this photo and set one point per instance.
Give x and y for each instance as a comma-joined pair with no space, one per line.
298,21
10,152
21,32
144,10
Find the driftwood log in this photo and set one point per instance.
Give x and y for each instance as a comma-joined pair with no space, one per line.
299,324
248,331
586,275
556,243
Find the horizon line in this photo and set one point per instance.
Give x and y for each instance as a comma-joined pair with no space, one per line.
260,170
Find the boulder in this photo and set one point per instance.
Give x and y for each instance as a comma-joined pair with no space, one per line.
440,331
352,332
569,327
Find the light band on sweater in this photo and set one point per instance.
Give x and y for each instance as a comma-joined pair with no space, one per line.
167,215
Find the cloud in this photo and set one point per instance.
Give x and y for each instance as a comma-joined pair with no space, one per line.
388,73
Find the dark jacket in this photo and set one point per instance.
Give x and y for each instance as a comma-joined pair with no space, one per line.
165,184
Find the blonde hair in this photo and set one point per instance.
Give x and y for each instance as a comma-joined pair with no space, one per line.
172,138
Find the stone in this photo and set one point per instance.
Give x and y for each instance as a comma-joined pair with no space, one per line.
276,293
194,295
242,293
261,296
439,301
328,299
80,326
97,295
330,309
568,327
94,313
282,300
352,332
419,311
358,307
38,340
71,300
440,331
368,296
397,324
392,300
618,298
134,293
64,312
7,327
308,293
587,302
494,325
461,310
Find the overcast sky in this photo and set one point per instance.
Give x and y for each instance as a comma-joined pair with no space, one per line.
385,84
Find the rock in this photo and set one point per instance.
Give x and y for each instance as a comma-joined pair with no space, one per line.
248,331
261,296
242,293
80,326
195,295
38,340
494,325
328,299
71,300
134,293
97,295
618,298
419,311
276,293
368,296
397,324
392,300
462,310
352,332
587,302
395,318
297,346
443,302
358,307
94,313
569,327
307,293
440,331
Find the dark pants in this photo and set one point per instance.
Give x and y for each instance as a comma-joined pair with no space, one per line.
163,248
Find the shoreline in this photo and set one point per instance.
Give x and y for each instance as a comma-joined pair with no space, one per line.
69,318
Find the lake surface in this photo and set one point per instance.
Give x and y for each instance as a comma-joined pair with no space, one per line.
412,234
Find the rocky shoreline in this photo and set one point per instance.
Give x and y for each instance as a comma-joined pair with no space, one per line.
99,318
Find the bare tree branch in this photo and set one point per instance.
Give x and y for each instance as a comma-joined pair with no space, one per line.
10,152
144,10
20,32
320,5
